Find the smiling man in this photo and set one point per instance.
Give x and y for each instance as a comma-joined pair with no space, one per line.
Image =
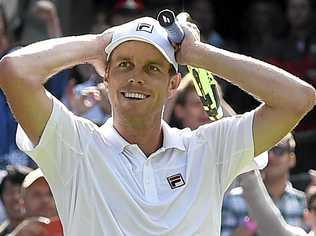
135,175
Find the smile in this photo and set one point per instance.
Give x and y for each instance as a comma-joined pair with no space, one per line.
135,95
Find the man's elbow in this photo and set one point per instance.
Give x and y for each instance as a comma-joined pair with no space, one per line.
307,101
8,71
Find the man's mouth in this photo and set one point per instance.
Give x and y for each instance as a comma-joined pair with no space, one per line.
134,95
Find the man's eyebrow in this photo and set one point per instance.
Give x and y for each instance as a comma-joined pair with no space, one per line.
122,58
155,62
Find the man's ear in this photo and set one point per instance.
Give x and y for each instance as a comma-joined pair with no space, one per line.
174,84
107,71
292,159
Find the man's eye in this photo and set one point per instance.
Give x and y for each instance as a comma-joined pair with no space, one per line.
124,64
153,68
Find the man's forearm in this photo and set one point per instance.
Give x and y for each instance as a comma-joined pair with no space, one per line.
40,60
274,86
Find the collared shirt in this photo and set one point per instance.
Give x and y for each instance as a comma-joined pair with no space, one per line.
291,205
104,185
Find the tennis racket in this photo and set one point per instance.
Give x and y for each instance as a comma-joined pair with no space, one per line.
204,82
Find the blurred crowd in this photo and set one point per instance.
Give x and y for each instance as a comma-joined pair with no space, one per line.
282,33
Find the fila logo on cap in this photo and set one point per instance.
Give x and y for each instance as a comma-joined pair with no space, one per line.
175,181
145,27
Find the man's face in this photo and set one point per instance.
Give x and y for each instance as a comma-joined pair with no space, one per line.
38,200
280,162
191,113
138,80
12,200
298,12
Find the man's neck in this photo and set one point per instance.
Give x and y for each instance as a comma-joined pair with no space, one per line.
276,187
147,134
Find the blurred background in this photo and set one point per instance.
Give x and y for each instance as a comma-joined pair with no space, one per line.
281,32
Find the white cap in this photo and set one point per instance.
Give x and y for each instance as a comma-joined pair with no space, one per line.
145,29
32,177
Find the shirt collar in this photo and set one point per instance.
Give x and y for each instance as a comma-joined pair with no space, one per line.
171,137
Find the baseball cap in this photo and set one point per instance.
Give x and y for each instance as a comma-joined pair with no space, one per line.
32,177
145,29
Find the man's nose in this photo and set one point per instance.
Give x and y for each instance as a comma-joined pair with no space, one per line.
138,81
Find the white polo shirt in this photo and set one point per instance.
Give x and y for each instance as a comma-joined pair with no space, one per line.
103,185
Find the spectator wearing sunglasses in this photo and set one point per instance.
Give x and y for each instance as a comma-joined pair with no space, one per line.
290,201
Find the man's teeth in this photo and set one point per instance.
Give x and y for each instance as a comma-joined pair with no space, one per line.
135,95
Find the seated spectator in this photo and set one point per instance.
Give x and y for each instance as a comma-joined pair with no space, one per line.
37,196
290,201
89,99
38,226
185,109
10,194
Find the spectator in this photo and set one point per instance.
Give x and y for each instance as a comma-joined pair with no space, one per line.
187,110
88,99
37,196
290,201
10,194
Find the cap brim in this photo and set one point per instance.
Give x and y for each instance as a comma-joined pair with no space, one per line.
114,44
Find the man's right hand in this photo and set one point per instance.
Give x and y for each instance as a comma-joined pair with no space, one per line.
100,61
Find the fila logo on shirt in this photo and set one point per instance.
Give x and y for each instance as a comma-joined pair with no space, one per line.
145,27
175,181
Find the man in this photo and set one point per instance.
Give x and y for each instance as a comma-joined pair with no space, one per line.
290,201
135,175
10,194
38,199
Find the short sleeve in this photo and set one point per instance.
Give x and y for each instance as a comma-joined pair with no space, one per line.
231,142
61,146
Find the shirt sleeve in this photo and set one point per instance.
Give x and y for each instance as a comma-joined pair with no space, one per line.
231,142
62,144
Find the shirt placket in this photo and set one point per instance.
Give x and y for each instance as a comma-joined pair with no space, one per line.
149,182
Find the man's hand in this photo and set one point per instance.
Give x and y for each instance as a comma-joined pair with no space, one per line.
191,37
100,61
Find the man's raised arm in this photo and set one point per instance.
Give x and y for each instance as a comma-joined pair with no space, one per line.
286,98
24,71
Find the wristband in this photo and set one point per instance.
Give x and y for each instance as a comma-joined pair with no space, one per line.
249,225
